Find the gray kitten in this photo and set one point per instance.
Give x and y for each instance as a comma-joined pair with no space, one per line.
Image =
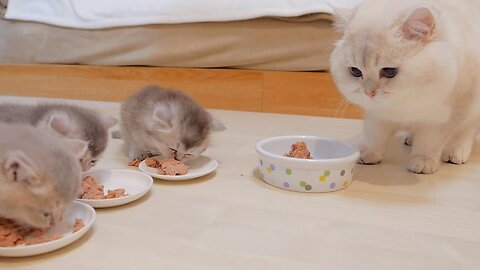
157,121
72,121
39,174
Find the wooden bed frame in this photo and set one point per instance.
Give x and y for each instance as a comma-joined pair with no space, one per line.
308,93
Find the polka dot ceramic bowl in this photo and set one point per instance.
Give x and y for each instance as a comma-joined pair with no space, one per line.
331,168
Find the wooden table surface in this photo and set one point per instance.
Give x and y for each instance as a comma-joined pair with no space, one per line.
387,219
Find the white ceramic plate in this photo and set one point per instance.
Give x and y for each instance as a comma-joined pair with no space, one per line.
199,167
135,183
73,211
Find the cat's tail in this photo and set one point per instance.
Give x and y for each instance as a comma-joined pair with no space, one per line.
116,134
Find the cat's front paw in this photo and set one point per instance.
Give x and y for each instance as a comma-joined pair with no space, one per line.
422,164
457,155
369,158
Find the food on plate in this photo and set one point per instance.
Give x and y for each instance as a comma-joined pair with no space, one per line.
78,225
134,163
116,193
13,234
93,191
169,166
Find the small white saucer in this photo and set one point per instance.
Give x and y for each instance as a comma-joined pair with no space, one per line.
73,211
135,183
196,168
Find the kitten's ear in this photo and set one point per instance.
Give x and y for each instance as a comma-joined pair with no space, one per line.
217,125
162,116
419,25
108,121
59,123
342,17
18,167
79,147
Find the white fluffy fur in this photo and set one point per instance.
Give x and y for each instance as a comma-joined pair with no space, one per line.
436,94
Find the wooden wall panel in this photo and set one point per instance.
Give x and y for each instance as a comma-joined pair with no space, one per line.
214,88
309,93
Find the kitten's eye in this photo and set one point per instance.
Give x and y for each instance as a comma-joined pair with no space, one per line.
188,155
357,73
388,72
93,162
173,150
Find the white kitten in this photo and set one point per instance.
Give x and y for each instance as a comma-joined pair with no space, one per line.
414,65
39,174
157,121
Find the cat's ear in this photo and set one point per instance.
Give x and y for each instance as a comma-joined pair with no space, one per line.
217,125
60,123
420,25
78,147
342,17
18,167
108,121
162,116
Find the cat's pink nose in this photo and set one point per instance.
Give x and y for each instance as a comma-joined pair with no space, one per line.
371,94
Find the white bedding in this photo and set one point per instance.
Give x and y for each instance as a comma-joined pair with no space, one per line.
96,14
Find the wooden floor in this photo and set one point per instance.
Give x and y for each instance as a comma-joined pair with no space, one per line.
309,93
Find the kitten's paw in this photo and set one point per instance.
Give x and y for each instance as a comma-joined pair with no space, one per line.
369,158
457,155
422,164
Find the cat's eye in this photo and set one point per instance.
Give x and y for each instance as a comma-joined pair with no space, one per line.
188,155
93,162
173,150
388,73
357,73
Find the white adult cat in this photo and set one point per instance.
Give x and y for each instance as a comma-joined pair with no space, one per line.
414,65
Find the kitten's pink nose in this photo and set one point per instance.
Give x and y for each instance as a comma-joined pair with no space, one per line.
371,94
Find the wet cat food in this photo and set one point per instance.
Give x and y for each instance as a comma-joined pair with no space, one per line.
78,225
169,166
13,234
93,191
299,150
134,163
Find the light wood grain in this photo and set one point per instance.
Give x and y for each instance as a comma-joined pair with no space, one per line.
311,93
307,93
387,219
220,89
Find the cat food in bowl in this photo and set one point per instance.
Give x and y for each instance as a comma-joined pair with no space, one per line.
330,167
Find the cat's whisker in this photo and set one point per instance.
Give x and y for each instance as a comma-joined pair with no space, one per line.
339,105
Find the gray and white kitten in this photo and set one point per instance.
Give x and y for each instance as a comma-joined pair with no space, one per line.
157,121
71,121
39,174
